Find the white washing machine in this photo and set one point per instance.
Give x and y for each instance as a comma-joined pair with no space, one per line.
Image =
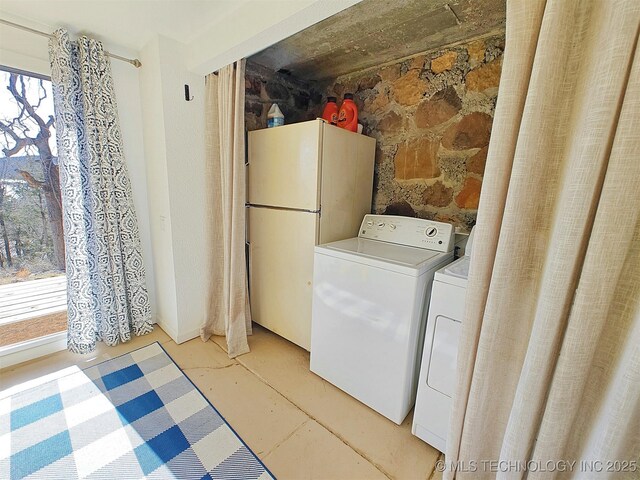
439,355
370,298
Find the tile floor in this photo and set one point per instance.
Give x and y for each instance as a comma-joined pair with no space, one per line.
299,425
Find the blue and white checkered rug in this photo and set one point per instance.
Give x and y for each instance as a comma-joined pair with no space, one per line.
135,416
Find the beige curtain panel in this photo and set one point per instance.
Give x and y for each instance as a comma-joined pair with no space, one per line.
549,357
228,310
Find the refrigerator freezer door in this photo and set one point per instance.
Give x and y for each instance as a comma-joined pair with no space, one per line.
281,246
347,182
283,166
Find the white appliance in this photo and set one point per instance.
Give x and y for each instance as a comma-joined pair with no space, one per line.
370,297
308,183
439,358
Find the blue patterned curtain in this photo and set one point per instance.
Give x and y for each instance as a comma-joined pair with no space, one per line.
106,290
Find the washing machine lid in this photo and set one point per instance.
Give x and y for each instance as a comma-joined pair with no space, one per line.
456,272
459,268
398,258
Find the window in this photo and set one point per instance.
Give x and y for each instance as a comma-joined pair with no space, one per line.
31,234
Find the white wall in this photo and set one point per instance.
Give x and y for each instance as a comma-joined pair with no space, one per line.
158,212
30,52
173,135
184,130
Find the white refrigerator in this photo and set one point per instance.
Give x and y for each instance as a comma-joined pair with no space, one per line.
308,183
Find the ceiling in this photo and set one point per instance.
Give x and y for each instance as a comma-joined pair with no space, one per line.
374,32
125,23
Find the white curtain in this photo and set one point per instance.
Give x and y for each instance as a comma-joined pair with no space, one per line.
549,357
106,290
228,311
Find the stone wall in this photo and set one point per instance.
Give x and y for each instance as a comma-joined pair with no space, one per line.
298,100
431,116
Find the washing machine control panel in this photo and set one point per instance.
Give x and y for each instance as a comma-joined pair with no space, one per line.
414,232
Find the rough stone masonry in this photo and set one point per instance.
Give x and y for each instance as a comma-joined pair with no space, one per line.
431,116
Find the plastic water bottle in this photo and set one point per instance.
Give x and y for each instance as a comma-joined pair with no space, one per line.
275,117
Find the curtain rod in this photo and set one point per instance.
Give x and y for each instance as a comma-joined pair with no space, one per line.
135,62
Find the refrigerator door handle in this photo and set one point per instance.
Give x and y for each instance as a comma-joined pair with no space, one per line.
246,150
247,261
246,223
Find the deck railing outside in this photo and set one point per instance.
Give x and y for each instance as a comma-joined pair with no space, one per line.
32,309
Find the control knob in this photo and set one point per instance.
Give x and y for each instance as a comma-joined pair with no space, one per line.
431,232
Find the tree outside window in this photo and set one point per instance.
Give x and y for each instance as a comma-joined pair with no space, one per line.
31,234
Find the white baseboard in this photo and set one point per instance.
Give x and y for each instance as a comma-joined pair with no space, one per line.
39,347
186,336
175,336
165,326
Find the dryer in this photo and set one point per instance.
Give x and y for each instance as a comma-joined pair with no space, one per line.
370,298
439,355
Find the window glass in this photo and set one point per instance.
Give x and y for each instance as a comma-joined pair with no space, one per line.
31,234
